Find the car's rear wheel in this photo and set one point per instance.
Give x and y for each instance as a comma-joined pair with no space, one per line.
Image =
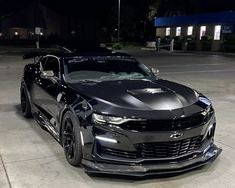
71,139
25,102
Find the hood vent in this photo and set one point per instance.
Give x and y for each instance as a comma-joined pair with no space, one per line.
146,91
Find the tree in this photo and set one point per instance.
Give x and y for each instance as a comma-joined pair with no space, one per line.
153,9
136,19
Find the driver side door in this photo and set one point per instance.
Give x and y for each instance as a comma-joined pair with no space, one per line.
46,89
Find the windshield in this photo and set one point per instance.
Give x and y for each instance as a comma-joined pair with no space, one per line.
105,68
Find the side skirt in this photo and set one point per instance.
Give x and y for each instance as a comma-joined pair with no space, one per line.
43,121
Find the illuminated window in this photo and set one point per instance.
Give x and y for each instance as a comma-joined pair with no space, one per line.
217,32
190,30
178,31
202,31
168,31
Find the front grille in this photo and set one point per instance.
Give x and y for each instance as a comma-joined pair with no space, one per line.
166,125
118,153
169,149
157,149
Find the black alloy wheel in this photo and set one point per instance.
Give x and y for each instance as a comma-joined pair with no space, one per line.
71,139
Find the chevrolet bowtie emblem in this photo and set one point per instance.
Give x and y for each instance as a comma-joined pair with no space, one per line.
176,135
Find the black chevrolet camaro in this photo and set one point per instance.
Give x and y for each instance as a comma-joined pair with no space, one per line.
114,115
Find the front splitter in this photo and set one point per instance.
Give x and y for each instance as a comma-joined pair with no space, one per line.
142,170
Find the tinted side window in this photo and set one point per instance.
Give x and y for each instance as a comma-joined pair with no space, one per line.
51,64
43,61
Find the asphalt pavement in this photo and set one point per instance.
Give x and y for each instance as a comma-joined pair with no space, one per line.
31,158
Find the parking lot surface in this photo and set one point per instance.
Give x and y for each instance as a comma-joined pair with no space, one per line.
31,158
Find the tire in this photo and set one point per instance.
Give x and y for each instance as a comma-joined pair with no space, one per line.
25,102
71,139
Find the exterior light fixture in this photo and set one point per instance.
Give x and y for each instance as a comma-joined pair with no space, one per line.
168,31
217,32
178,31
202,31
16,33
190,30
105,139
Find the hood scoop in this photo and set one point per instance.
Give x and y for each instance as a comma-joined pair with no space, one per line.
158,98
146,91
138,95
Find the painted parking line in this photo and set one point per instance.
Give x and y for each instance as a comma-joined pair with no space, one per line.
6,173
192,65
195,72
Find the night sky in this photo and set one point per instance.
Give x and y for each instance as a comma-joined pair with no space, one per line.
64,7
86,7
134,20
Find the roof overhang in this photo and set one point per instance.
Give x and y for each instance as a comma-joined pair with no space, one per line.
197,19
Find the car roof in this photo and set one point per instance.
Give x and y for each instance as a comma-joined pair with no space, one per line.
96,54
62,53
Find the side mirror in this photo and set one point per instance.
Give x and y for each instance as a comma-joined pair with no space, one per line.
47,74
154,71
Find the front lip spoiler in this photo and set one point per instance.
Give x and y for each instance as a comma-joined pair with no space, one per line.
140,170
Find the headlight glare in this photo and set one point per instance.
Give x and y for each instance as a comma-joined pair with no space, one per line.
208,111
103,119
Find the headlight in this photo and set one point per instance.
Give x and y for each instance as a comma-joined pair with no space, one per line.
103,119
205,100
208,111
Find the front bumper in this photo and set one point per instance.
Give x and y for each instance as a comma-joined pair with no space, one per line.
141,170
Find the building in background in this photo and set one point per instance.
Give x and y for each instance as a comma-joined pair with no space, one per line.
20,24
208,31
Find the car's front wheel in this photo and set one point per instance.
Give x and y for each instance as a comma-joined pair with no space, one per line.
71,139
25,102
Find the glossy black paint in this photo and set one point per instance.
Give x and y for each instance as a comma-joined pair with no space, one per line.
130,98
149,100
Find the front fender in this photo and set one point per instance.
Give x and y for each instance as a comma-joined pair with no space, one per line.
81,110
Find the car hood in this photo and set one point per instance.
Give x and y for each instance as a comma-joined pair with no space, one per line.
160,95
